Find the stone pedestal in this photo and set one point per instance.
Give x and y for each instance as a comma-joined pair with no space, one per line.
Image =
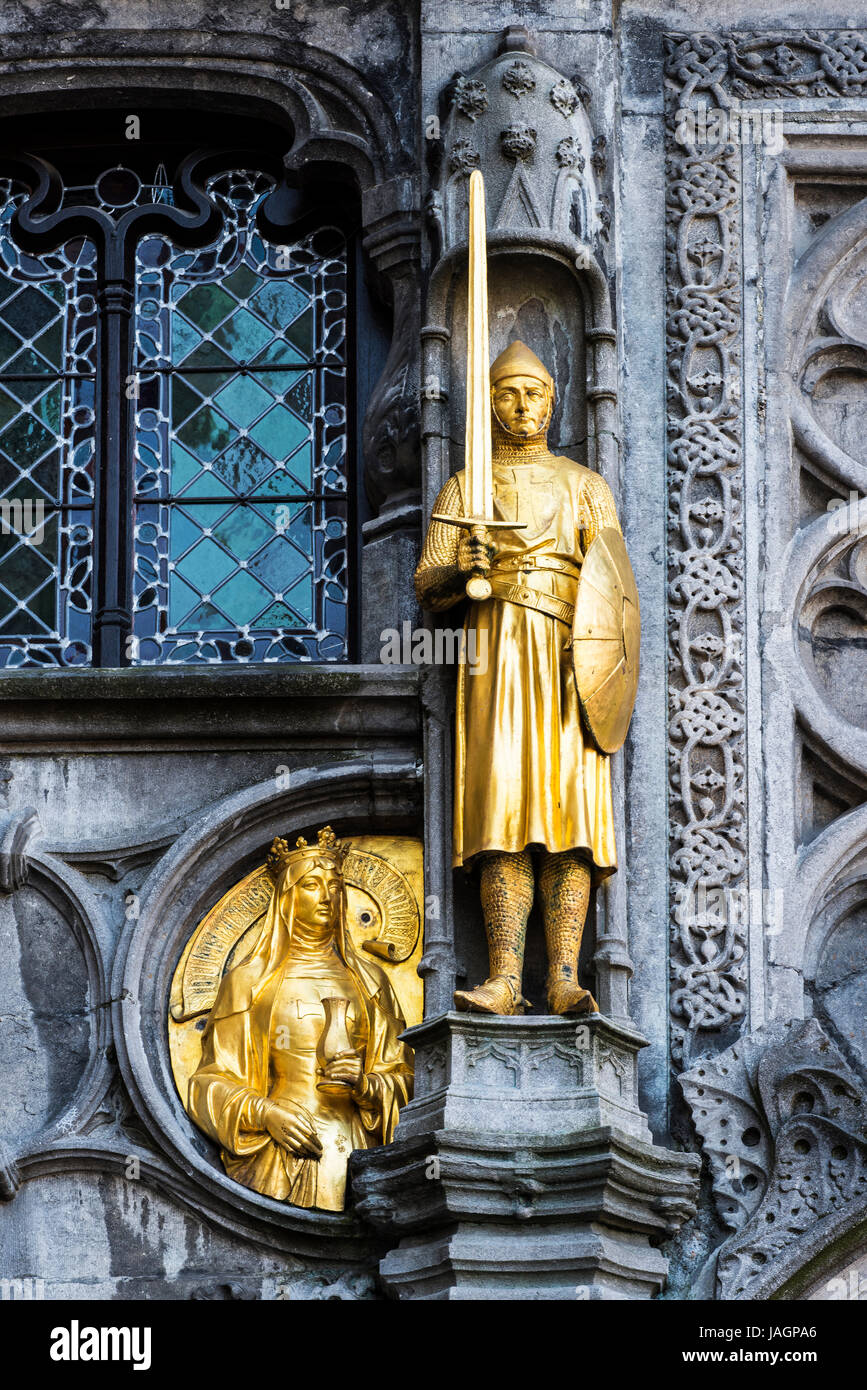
524,1168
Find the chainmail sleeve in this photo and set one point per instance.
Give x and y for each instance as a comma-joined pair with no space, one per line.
598,508
438,581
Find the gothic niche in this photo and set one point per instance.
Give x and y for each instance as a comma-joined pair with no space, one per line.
46,1013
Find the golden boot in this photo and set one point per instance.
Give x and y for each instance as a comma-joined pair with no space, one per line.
564,882
507,896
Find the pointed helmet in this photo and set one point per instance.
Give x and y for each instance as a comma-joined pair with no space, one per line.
518,360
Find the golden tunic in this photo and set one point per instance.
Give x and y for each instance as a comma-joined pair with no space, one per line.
524,773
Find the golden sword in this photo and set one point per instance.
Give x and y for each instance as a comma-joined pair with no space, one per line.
479,480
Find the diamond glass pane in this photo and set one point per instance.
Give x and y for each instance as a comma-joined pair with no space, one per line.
47,364
240,445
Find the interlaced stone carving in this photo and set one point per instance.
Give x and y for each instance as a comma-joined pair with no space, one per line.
705,563
805,64
782,1119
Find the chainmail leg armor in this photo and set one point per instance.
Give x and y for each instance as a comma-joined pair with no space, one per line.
507,898
564,882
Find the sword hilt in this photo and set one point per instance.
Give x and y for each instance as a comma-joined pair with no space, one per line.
478,585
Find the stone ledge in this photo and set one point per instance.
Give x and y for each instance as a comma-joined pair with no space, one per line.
196,706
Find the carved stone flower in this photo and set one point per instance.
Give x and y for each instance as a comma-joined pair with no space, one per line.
518,79
518,141
564,98
568,155
464,157
470,97
598,159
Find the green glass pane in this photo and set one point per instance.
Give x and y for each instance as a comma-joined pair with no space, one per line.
50,407
29,312
243,336
8,343
184,337
46,474
206,306
242,282
242,598
183,467
7,287
32,363
243,532
184,401
293,476
279,302
208,355
206,434
243,466
243,400
208,383
24,569
278,615
280,433
9,408
9,474
278,354
300,397
50,344
26,439
182,533
301,333
206,566
204,618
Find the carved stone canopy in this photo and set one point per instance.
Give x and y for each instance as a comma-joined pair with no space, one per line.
524,124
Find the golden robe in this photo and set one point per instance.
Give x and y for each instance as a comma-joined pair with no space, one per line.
246,1060
525,775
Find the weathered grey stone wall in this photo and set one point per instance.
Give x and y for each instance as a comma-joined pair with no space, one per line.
733,417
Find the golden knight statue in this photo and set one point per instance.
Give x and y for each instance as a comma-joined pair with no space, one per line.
301,1054
513,531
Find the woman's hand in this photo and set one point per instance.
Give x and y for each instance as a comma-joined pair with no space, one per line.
346,1066
292,1128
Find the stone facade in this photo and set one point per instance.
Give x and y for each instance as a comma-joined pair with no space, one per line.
677,226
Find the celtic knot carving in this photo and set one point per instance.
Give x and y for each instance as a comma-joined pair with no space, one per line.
805,64
705,563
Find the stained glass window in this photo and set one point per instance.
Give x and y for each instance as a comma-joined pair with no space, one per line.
47,368
238,448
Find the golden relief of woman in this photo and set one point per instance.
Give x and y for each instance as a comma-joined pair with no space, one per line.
285,1121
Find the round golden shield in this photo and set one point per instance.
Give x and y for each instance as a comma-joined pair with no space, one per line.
606,634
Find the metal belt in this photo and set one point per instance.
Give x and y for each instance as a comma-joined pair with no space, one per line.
528,563
532,598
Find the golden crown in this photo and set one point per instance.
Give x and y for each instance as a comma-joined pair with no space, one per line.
328,847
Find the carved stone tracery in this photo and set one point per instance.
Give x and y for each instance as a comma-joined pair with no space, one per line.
705,559
782,1117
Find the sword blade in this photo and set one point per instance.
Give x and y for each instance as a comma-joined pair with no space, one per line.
479,490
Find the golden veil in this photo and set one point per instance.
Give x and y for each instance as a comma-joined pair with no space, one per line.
232,1079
